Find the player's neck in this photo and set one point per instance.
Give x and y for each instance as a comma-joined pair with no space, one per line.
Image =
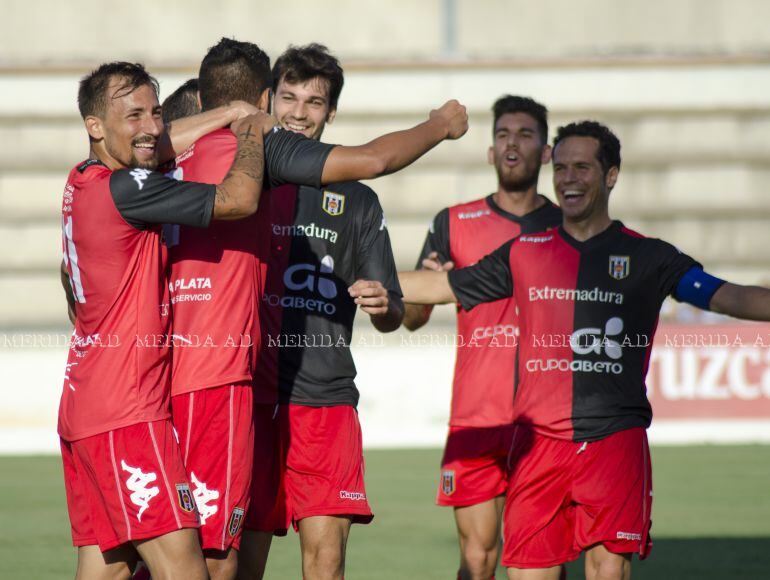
584,230
518,203
97,151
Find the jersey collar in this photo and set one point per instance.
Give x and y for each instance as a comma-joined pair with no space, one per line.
515,218
606,236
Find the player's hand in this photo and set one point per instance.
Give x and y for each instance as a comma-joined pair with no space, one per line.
433,263
371,296
259,121
455,116
241,109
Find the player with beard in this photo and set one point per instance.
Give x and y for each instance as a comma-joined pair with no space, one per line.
216,282
589,295
474,466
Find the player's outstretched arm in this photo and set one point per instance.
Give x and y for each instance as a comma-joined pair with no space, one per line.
184,132
65,282
417,315
426,287
394,151
385,309
238,195
747,302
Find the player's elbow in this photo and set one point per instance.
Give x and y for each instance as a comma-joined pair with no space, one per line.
374,163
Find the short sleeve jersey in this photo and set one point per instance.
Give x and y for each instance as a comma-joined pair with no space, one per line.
486,335
216,273
588,313
118,364
320,242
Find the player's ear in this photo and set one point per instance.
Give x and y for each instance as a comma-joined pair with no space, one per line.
545,155
611,178
264,100
94,127
491,155
330,116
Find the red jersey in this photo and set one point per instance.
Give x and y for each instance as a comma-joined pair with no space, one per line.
216,274
119,360
486,335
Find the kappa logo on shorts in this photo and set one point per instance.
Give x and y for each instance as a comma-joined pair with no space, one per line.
236,519
186,501
137,485
620,267
203,495
333,203
629,536
448,482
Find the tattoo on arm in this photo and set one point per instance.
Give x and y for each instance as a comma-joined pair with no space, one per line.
248,165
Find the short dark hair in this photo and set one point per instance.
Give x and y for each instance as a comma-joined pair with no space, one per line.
183,102
299,64
92,92
233,70
608,152
515,104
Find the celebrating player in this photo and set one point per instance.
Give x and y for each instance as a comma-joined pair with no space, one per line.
123,471
589,294
217,280
183,102
474,470
321,241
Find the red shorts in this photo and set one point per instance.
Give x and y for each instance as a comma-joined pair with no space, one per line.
474,468
126,484
565,497
216,436
320,467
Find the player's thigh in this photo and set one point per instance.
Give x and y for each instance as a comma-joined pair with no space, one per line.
115,564
480,524
252,557
324,533
174,555
603,564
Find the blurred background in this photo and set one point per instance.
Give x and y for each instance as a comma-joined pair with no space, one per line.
683,83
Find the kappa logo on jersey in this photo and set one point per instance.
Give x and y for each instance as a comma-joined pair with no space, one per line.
448,482
333,203
137,484
587,340
140,175
472,215
236,519
203,495
186,501
620,267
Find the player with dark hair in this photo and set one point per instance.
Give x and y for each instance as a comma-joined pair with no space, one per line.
183,102
127,490
589,294
474,471
217,278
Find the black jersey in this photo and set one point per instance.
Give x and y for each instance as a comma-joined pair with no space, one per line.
588,313
320,242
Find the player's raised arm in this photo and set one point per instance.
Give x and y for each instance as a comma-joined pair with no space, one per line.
747,302
426,287
183,132
394,151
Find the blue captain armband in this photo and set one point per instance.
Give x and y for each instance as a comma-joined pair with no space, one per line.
697,288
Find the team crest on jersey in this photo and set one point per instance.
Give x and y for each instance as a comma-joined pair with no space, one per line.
333,203
236,519
185,496
448,482
620,267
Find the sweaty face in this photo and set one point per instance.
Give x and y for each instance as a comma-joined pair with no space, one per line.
132,127
303,107
517,151
581,186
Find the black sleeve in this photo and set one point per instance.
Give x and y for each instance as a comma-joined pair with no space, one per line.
147,197
293,158
374,259
437,239
672,265
487,280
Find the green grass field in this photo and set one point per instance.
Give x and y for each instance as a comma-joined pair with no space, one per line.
711,519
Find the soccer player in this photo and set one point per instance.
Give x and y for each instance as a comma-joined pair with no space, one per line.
474,470
589,294
321,240
183,102
127,490
217,280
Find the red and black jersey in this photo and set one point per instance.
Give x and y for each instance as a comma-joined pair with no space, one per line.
588,312
487,335
118,365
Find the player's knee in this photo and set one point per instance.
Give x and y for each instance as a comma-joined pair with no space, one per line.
322,560
222,566
607,569
480,560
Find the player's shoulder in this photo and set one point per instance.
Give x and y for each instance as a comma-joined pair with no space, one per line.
219,143
89,171
356,194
